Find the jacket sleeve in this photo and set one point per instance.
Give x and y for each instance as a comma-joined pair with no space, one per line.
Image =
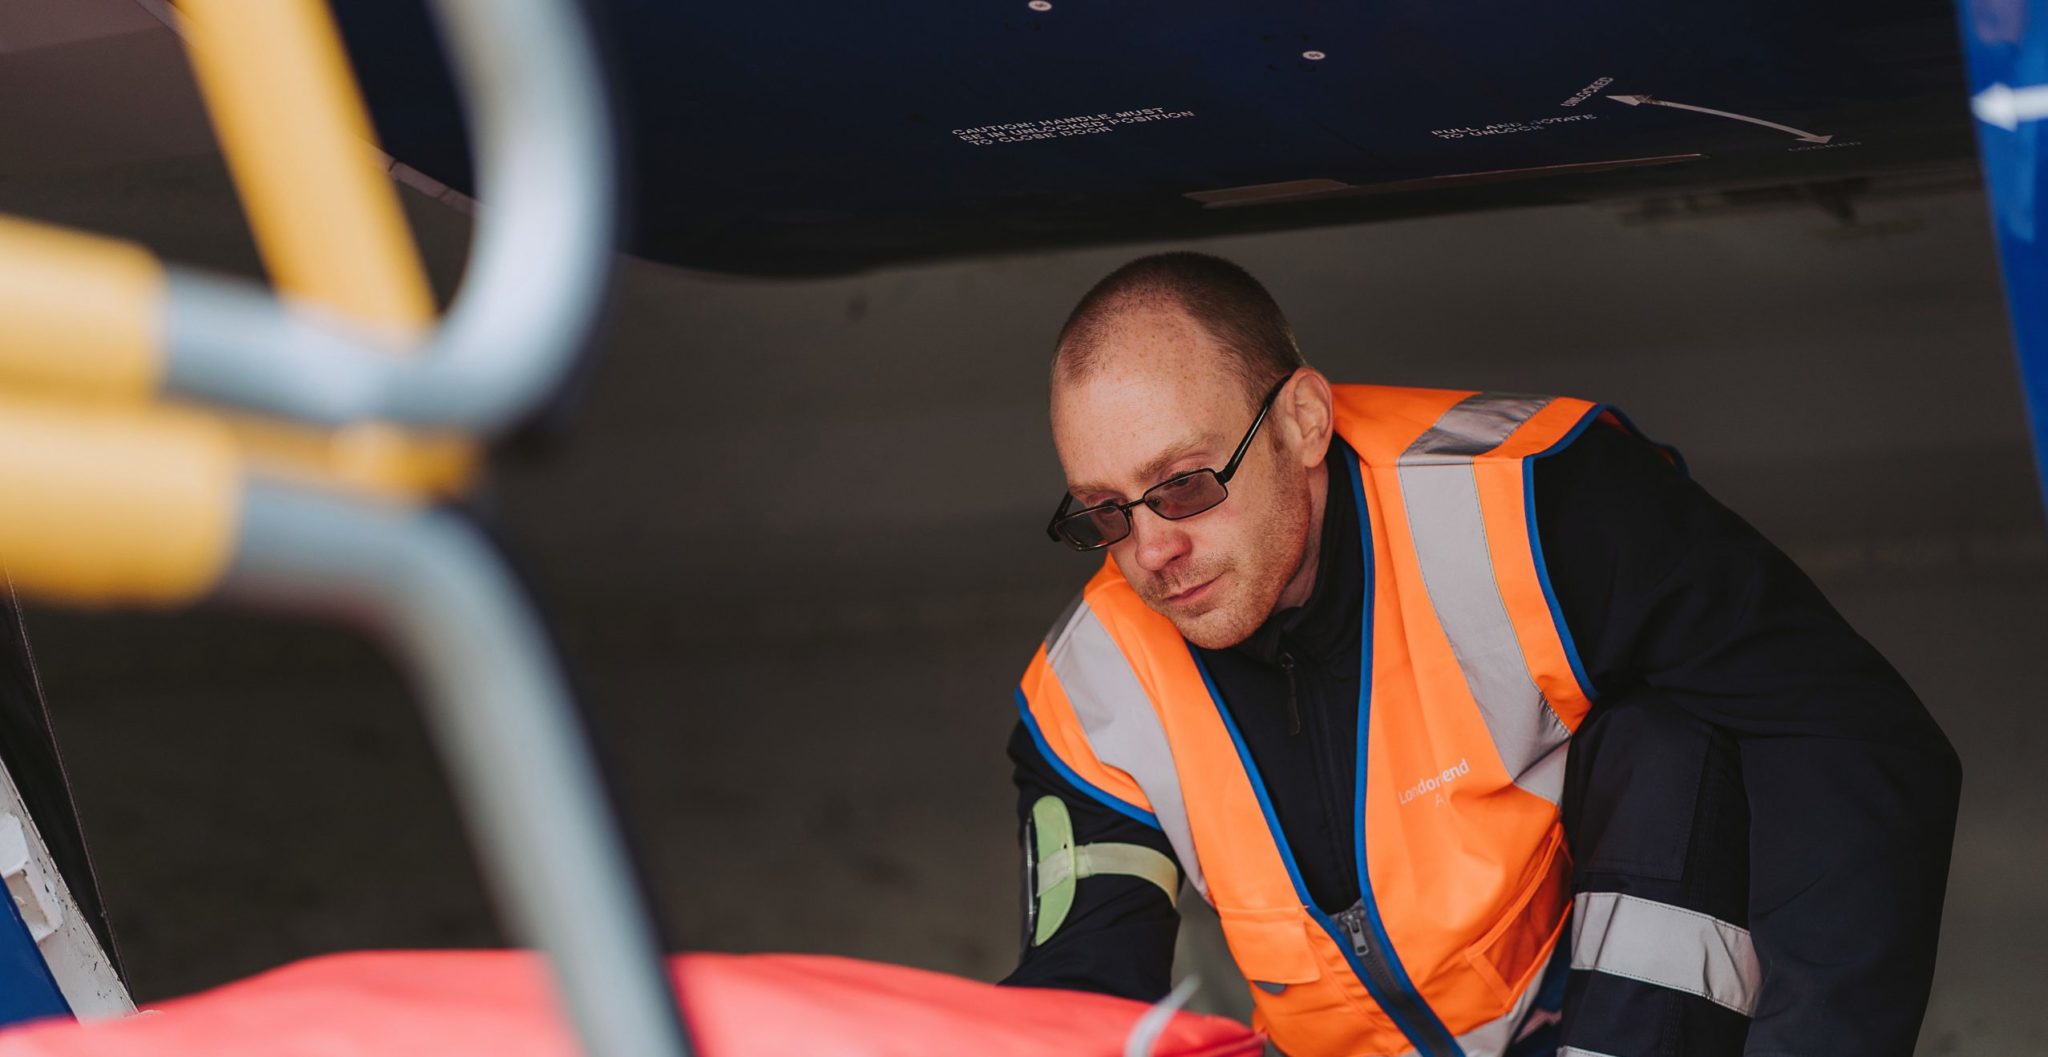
1852,786
1118,938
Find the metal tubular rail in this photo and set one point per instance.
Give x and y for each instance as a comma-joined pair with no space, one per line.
528,73
423,581
327,219
124,502
292,125
430,587
529,77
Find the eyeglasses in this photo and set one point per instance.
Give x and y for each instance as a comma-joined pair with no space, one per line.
1180,496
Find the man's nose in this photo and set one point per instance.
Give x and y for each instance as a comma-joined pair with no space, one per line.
1156,541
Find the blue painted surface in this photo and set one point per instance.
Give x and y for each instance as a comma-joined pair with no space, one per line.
27,990
2006,42
788,137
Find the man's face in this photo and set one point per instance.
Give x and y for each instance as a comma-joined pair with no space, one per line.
1160,402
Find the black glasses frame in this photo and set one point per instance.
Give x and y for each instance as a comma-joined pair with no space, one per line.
1063,514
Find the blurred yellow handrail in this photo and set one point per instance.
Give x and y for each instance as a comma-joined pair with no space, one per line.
297,139
111,505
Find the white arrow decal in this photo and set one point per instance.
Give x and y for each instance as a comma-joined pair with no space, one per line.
1642,100
2007,107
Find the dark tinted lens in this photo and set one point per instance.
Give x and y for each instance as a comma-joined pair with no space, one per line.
1186,495
1099,527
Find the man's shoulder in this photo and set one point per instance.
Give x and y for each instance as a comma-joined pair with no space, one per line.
1608,459
1386,425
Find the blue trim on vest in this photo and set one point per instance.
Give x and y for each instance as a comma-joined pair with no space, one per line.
1114,803
1564,633
1677,458
1258,785
1372,910
1308,904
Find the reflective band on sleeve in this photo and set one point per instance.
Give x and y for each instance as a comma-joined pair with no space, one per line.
1106,859
1664,945
1054,865
1441,493
1122,728
1049,838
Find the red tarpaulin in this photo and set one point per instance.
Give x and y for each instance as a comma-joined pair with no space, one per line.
498,1004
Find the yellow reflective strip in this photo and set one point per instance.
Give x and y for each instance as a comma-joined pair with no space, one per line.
78,312
102,505
1052,834
1106,859
1129,860
299,144
1059,865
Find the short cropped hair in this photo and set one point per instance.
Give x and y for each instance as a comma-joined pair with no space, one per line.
1222,298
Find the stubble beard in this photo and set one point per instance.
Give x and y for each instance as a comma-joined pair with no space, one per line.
1197,624
1253,588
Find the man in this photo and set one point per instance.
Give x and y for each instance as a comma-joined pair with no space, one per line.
1362,660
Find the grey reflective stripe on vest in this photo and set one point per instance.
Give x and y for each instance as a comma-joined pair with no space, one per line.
1441,493
1122,728
1668,946
1476,425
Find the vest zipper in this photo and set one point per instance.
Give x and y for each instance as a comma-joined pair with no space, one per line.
1354,929
1293,698
1403,1005
1378,965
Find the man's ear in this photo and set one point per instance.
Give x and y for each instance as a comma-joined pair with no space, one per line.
1306,412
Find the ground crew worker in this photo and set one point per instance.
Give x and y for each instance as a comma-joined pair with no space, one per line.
1361,663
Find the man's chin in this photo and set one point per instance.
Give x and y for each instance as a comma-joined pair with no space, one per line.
1213,629
1213,619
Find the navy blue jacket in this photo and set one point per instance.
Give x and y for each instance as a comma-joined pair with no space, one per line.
1667,594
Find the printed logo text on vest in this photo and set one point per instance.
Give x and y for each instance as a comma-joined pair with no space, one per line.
1435,783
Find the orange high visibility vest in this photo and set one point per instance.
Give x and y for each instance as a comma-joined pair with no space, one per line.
1471,693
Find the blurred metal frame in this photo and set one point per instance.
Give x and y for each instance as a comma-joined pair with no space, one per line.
118,498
